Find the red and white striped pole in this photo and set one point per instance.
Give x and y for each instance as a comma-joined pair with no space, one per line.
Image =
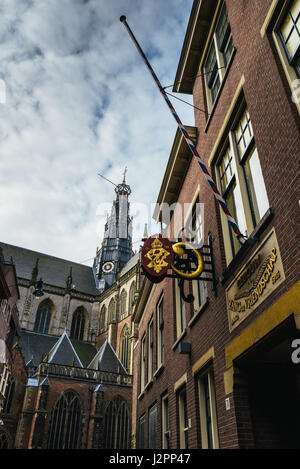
190,144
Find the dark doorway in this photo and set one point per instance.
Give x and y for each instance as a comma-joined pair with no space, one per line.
275,406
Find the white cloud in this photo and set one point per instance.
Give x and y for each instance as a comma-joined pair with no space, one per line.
81,101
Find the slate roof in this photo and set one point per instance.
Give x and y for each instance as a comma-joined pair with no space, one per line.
131,263
35,346
107,360
53,270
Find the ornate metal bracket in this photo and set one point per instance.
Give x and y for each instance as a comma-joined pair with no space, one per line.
185,266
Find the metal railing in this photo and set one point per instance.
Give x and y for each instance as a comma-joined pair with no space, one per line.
86,374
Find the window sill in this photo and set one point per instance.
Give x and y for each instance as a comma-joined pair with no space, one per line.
149,384
244,250
199,312
140,397
159,371
211,114
179,339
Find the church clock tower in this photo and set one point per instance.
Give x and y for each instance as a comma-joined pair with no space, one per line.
116,249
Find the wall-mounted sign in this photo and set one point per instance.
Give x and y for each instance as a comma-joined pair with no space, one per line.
157,257
262,274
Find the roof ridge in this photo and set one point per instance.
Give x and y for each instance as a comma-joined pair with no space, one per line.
45,255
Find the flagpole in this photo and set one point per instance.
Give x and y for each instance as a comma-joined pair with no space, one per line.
189,142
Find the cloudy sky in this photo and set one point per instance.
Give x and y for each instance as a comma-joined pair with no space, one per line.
80,101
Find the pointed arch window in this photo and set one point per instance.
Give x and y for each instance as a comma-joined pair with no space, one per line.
9,395
123,304
43,317
124,347
66,419
131,297
117,425
78,324
102,319
112,311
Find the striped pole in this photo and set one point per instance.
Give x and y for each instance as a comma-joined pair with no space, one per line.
190,144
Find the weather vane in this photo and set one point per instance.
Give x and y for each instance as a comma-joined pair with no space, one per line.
124,174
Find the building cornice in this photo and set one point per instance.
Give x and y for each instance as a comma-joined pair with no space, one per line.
194,44
177,167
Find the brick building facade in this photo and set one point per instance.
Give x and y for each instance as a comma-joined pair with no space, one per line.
218,372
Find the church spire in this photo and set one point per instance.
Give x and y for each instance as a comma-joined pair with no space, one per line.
116,248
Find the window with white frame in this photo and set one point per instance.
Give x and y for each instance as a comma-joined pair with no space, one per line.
289,34
143,360
207,408
150,350
241,181
183,419
194,225
142,422
165,422
195,234
180,310
160,332
218,56
123,304
152,427
283,23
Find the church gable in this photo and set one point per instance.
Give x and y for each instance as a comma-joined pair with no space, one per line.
63,353
107,360
37,347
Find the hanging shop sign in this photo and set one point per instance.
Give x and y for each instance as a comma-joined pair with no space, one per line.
161,258
157,257
262,274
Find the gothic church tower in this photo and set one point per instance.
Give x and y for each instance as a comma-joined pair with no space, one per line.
116,249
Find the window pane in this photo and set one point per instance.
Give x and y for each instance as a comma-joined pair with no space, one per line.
226,169
234,202
256,185
290,29
211,62
152,427
183,420
212,74
142,433
202,291
165,423
208,412
224,37
215,87
295,9
223,26
243,133
228,50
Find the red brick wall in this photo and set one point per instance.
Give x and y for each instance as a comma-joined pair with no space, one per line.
275,121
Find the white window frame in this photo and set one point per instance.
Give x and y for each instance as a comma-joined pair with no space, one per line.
246,223
276,21
180,311
203,412
150,350
221,66
151,410
143,363
165,444
160,332
183,419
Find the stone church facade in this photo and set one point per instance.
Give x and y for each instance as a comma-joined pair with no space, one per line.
70,383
